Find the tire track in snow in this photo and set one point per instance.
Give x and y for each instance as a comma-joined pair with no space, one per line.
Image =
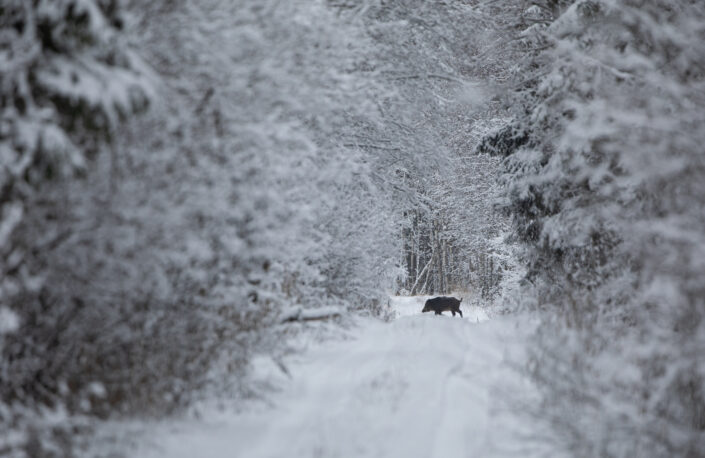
449,437
419,387
461,433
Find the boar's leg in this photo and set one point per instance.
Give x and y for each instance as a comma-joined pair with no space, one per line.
461,312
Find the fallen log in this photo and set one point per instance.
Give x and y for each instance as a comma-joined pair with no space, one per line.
302,314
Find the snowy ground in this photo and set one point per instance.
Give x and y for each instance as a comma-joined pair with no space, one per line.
420,386
412,305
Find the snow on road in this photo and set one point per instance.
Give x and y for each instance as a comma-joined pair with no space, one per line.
421,386
412,305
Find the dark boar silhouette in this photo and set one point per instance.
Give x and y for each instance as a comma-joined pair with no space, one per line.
443,304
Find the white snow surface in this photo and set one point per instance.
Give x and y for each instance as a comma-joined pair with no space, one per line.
420,386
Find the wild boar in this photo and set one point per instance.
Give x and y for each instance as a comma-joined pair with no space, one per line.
443,304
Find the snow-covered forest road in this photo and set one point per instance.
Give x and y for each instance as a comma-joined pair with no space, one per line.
203,203
420,386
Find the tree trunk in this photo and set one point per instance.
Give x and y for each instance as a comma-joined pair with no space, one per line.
423,272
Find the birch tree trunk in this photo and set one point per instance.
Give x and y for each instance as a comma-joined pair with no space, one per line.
423,272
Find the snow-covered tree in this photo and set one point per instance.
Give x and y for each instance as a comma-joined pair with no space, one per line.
604,180
429,122
156,272
68,80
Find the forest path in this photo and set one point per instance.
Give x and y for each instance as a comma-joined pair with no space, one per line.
421,386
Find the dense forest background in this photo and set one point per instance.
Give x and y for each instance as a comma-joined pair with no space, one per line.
176,175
